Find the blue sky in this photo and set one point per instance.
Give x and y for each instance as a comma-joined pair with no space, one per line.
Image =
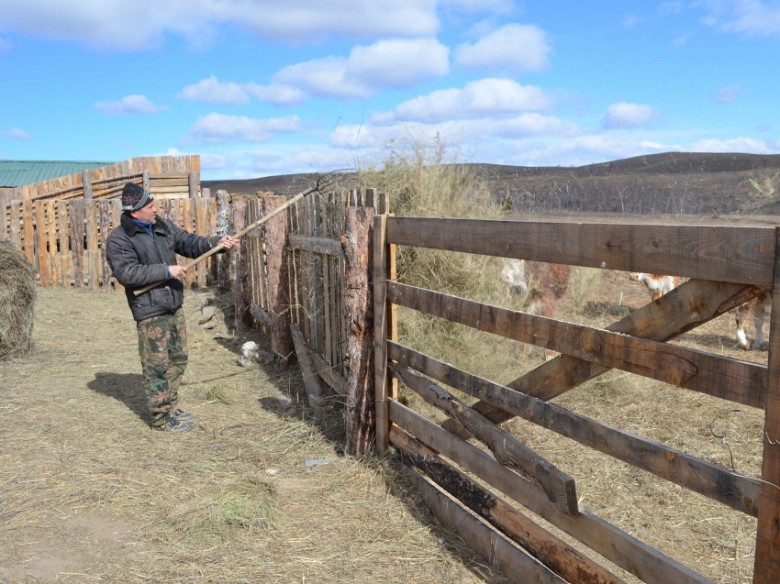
262,88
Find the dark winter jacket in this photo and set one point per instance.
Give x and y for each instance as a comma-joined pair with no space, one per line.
138,259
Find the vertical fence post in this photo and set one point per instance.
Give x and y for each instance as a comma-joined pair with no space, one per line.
380,334
78,220
278,288
87,184
767,559
361,415
193,185
238,262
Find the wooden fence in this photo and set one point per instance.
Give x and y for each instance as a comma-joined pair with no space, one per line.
165,176
64,240
307,284
727,266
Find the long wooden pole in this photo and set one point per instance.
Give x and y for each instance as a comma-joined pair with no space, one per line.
219,247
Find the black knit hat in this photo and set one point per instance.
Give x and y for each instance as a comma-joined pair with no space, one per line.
135,197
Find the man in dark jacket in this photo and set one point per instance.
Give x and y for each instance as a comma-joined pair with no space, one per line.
142,251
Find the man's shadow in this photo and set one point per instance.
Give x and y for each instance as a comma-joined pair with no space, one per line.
124,387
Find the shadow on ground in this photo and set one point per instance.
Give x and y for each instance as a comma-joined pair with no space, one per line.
124,387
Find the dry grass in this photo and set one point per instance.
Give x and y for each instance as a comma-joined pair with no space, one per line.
258,492
17,301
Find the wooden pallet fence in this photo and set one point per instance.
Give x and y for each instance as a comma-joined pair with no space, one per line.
309,288
727,266
165,176
65,240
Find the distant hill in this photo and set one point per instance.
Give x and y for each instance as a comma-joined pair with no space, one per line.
669,183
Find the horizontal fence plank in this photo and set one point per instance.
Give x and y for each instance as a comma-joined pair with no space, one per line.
709,479
553,552
737,381
507,449
645,562
517,565
723,253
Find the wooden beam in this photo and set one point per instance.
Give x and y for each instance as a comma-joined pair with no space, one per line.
310,379
767,558
359,358
516,565
553,552
737,381
708,252
642,560
684,308
326,372
704,477
507,450
381,324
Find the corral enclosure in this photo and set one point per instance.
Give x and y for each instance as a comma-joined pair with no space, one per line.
727,265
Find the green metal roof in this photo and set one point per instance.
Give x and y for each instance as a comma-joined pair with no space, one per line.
17,173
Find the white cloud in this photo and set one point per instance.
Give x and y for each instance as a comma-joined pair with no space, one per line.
518,48
746,145
484,98
212,90
276,93
451,132
143,23
495,6
129,105
18,134
728,94
628,115
398,62
322,77
749,17
389,63
216,127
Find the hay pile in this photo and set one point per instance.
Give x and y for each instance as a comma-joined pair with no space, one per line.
17,301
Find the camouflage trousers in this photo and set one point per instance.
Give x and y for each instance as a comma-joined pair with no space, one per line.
162,346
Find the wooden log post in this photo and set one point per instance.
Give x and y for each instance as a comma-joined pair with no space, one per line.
220,265
64,243
767,559
238,269
44,275
87,185
380,338
193,185
93,248
278,289
105,230
78,218
359,360
29,233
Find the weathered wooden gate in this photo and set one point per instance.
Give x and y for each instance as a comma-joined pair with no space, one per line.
727,265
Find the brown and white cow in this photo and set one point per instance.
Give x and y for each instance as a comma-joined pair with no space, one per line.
758,309
542,283
656,284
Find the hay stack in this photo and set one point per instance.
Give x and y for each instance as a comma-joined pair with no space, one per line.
17,301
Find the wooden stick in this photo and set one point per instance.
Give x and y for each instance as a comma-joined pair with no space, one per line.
219,247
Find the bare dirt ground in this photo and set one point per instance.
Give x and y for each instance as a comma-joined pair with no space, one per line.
259,491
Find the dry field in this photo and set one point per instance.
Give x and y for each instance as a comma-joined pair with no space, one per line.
260,491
